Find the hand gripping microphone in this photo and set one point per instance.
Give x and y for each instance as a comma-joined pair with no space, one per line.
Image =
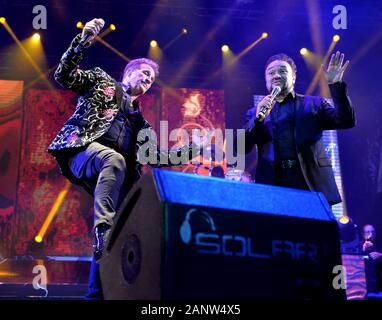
264,110
89,35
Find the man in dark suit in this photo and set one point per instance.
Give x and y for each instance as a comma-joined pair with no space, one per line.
289,135
99,145
373,261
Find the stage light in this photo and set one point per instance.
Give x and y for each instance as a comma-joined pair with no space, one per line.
52,213
264,35
112,27
153,44
304,51
79,25
225,48
336,38
184,30
2,20
349,236
36,37
344,220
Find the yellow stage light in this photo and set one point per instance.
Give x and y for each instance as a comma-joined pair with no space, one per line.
184,30
225,48
79,25
336,38
344,219
264,35
112,27
38,239
36,37
2,20
304,51
153,44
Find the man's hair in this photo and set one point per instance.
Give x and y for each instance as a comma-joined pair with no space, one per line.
366,225
282,57
134,64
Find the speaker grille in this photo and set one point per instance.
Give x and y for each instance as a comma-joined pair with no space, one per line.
131,258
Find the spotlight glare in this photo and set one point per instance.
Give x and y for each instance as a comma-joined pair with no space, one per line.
225,48
184,30
264,35
336,38
36,37
344,220
112,27
153,44
2,20
304,51
38,239
79,25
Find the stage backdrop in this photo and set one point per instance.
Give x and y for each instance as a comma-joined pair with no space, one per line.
10,135
40,183
190,109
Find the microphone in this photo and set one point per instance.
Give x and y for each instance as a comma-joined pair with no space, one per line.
264,110
84,41
89,35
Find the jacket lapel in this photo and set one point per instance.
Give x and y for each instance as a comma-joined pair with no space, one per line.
299,111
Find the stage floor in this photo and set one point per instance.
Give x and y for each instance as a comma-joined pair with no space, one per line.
27,277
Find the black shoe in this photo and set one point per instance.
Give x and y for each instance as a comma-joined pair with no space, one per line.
101,233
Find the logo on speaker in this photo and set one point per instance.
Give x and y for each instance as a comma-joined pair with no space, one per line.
206,240
185,229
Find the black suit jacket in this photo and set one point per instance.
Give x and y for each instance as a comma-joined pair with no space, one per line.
313,115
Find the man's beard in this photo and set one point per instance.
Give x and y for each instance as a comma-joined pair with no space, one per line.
285,90
138,89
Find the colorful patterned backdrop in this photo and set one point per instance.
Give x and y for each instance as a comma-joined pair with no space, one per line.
40,183
193,109
10,133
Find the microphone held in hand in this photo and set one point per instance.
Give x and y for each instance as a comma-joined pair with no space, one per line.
264,110
88,36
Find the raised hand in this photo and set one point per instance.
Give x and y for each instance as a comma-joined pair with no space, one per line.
202,138
335,70
375,255
93,28
367,245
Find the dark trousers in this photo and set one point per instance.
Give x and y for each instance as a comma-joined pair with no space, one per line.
290,177
103,170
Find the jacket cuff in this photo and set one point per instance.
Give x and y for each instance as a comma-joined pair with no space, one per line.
338,89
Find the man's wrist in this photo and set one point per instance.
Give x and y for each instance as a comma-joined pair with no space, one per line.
337,86
333,82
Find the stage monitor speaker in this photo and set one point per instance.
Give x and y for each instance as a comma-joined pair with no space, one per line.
182,236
